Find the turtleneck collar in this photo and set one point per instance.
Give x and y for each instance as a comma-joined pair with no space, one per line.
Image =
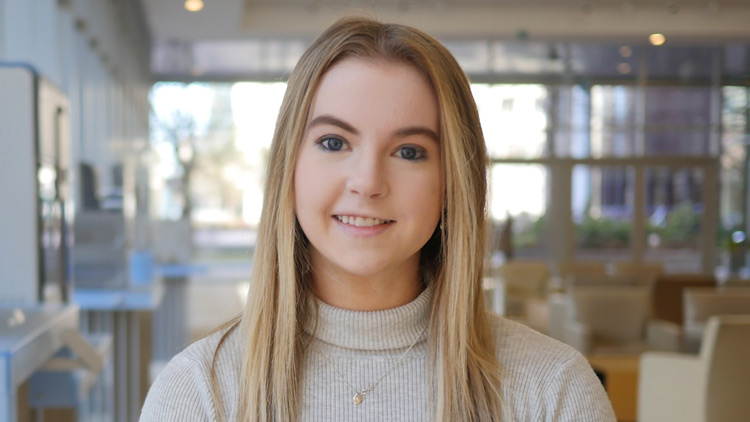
373,330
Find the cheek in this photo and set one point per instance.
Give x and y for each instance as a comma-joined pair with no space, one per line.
312,187
301,190
428,197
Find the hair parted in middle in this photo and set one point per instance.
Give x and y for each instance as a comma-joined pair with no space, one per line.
460,345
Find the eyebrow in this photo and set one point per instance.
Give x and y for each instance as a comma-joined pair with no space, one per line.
401,133
327,119
418,130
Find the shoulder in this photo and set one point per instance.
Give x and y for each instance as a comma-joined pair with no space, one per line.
517,344
182,391
544,379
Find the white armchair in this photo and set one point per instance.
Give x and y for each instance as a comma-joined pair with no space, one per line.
709,387
603,319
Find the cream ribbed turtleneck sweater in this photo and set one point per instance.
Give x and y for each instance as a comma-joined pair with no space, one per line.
543,380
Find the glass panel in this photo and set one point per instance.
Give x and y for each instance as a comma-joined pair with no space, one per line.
618,61
735,141
473,56
674,211
736,59
678,121
734,113
602,211
614,125
678,142
685,63
513,119
571,104
732,179
527,58
209,59
511,184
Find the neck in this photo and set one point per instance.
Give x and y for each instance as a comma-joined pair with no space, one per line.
394,328
366,293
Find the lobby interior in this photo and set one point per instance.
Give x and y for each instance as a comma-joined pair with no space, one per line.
619,139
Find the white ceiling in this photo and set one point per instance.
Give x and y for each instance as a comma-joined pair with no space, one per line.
632,20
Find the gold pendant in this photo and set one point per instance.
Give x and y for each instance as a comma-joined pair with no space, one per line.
357,399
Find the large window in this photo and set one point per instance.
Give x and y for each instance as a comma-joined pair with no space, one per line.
602,205
674,209
511,203
600,151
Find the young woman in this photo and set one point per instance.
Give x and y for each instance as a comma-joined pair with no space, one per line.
366,302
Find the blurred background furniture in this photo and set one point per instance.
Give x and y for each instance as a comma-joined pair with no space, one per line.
126,314
602,319
712,386
568,268
665,331
653,269
667,294
76,384
524,278
29,337
619,375
699,304
525,288
573,281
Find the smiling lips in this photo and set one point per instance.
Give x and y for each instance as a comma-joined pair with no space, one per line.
361,221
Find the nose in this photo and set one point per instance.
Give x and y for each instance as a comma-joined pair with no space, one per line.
368,176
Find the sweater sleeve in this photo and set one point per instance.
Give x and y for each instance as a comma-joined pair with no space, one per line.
576,394
181,393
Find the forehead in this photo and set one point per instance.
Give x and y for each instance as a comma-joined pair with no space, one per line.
363,89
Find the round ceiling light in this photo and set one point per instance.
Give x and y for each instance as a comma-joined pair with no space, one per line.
193,5
657,39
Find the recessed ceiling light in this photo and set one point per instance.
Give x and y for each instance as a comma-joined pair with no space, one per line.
657,39
193,5
626,51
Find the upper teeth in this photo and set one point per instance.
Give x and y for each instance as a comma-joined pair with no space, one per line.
360,221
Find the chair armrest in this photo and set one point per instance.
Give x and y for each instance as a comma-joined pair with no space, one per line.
578,335
669,388
664,335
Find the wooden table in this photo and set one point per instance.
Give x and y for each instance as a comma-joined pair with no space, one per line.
621,382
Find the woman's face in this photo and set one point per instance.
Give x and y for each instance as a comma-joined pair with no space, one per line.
368,180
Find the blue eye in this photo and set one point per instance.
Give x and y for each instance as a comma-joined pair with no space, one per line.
411,153
332,144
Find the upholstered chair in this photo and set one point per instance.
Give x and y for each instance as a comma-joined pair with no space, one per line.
699,304
709,387
605,319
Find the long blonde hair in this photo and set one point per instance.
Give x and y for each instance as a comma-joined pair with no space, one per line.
460,344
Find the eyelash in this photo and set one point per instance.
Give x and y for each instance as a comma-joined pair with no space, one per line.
420,152
324,144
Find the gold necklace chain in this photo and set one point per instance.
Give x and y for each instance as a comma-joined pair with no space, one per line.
359,395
